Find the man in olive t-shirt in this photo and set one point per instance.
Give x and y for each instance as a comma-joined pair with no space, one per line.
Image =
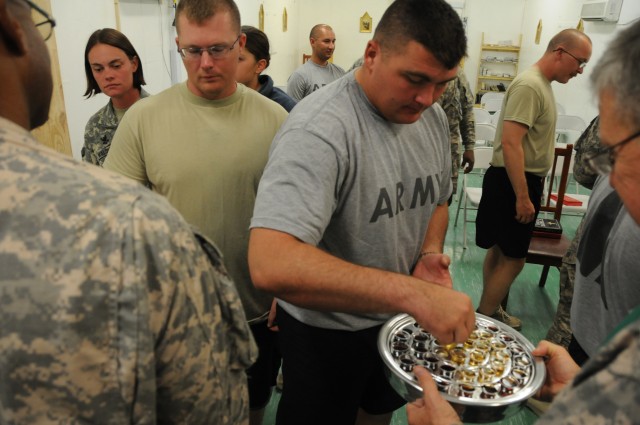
523,154
203,144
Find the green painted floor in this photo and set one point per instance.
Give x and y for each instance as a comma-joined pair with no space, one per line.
535,306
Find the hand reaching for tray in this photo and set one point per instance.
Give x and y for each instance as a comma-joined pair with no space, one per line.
431,409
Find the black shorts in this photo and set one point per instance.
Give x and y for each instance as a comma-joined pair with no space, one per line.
496,223
263,373
329,374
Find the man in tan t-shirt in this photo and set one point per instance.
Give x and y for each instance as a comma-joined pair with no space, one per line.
523,154
204,144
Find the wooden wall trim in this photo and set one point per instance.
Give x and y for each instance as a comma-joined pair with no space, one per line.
55,132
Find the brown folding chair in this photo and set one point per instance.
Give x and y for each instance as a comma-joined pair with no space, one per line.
544,250
305,57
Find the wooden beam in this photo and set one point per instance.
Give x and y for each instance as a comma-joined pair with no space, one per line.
55,132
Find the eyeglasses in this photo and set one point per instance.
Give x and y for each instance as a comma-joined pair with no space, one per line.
45,27
581,63
218,51
602,162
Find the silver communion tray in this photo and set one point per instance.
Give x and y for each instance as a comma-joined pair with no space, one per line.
487,378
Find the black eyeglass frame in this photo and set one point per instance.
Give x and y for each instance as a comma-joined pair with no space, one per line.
48,19
216,51
581,63
597,160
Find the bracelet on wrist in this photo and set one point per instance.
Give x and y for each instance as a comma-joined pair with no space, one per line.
425,253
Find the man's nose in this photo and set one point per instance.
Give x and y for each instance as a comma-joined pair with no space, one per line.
426,95
206,61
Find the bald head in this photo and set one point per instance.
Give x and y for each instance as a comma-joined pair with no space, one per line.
318,30
566,55
323,43
567,39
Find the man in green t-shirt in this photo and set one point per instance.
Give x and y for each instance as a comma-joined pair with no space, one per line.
522,156
203,144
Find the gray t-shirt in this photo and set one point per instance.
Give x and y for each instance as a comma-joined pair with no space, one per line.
343,178
310,77
607,270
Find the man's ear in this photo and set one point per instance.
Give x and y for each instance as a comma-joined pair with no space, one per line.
11,31
371,51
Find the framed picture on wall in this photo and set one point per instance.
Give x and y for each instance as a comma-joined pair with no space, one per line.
365,23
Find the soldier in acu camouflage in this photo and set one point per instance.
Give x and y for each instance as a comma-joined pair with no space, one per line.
588,143
112,310
112,66
457,102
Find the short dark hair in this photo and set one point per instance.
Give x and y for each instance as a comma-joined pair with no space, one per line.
116,39
257,43
432,23
200,10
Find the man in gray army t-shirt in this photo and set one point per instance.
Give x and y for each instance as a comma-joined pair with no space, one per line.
351,215
317,72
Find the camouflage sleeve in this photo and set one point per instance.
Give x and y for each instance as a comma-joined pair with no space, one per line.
588,142
202,341
91,143
451,106
467,120
113,311
98,134
606,389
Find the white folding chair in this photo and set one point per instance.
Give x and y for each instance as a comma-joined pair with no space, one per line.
492,95
485,133
569,128
481,115
560,109
471,194
574,203
571,208
495,117
492,105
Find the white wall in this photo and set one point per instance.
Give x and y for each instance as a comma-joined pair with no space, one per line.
147,23
508,18
498,20
284,57
576,96
344,17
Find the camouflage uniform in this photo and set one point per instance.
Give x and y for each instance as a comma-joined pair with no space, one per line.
457,102
111,311
606,389
99,132
560,331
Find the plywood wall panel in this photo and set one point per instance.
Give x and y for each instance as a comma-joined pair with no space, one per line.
55,132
